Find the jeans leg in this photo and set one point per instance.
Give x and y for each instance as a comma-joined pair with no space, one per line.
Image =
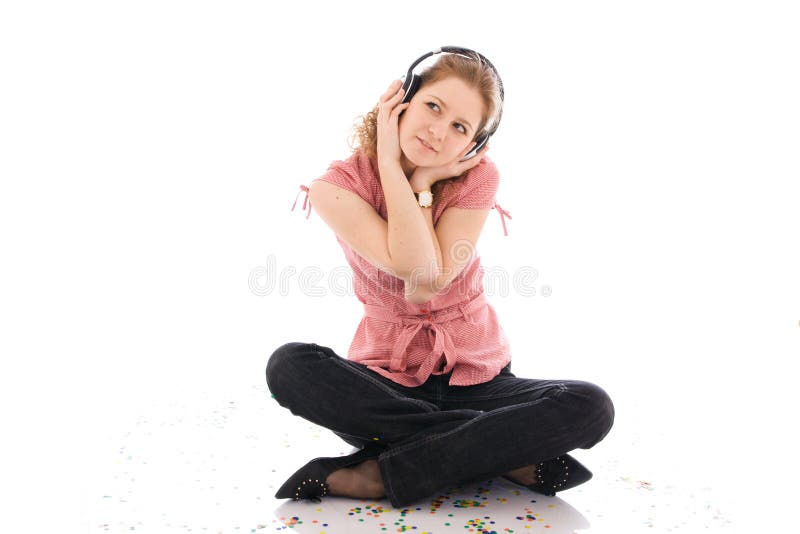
525,421
316,384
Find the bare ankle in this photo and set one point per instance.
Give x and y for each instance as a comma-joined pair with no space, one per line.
340,482
368,474
524,475
363,481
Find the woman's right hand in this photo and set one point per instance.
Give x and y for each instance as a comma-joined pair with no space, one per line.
389,109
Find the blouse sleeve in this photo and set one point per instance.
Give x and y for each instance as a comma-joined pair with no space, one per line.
479,187
347,175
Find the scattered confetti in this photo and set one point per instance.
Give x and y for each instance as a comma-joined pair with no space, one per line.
189,468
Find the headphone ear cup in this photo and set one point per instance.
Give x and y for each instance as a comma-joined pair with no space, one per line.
480,141
410,87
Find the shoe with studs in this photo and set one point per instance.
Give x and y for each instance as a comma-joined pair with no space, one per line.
559,474
308,482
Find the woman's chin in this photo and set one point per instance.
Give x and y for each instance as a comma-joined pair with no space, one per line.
423,160
413,161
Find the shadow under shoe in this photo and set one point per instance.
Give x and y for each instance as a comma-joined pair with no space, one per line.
559,474
308,482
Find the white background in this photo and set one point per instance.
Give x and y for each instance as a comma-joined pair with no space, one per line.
150,153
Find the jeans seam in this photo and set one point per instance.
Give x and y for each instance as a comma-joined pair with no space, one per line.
387,480
490,397
561,389
397,450
379,384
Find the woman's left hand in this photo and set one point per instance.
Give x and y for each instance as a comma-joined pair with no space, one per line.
424,177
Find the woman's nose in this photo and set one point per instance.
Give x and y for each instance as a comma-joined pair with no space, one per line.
435,130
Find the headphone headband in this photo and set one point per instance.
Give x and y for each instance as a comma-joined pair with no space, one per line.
461,51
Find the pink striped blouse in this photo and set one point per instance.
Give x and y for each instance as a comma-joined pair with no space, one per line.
458,329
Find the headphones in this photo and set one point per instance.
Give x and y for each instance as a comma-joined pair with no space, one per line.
413,81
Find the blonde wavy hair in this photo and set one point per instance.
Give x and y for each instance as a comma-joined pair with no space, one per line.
469,68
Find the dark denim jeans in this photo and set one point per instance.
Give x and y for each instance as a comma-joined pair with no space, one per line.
436,436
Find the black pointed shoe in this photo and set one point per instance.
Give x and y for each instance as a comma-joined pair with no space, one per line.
559,474
308,482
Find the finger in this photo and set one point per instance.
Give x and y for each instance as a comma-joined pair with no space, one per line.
391,103
393,87
398,110
390,90
395,114
396,97
390,110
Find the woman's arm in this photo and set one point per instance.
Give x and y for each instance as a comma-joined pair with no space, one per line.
358,224
411,239
457,233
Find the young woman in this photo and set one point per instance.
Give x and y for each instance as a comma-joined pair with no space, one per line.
427,393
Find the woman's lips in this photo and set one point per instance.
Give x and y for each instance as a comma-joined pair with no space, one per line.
424,145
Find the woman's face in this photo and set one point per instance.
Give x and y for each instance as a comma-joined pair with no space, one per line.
439,123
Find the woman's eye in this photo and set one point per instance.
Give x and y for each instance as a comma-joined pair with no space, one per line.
460,127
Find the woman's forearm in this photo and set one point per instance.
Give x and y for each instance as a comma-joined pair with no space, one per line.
411,237
427,215
421,289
